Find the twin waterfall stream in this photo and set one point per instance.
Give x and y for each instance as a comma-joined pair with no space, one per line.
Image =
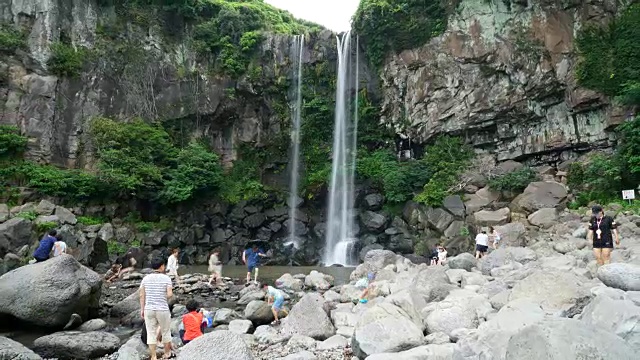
340,239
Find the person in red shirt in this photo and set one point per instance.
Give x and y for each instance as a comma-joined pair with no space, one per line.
193,322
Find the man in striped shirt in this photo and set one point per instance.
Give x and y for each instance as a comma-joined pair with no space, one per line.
155,290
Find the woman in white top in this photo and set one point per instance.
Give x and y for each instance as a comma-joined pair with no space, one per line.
59,248
172,265
442,255
215,267
494,236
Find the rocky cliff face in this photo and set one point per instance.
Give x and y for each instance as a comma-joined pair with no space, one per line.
502,75
136,72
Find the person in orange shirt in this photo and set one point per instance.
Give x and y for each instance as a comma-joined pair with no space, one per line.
193,322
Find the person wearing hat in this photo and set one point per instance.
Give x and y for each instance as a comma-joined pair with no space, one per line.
602,229
482,243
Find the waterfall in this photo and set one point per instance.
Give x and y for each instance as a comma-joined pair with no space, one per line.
296,50
340,239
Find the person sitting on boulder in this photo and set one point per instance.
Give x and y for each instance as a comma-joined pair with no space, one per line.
365,284
193,322
434,255
59,247
112,273
44,248
276,297
128,263
215,267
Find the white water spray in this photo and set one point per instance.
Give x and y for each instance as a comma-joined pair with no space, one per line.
296,54
340,238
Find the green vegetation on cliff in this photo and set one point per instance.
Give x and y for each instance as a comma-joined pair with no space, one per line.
609,57
395,25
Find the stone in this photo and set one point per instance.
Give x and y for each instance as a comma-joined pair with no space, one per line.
76,344
308,318
74,321
288,282
492,218
464,261
431,352
504,255
472,278
266,334
4,213
334,342
11,262
567,246
541,194
316,280
250,296
240,326
460,309
45,208
258,312
481,199
561,339
437,338
554,290
401,243
454,205
46,219
134,349
93,325
373,221
126,306
365,250
455,229
439,219
14,234
302,355
225,316
217,345
373,201
58,287
331,296
619,316
254,221
106,232
65,215
13,350
544,218
620,276
373,329
512,234
301,342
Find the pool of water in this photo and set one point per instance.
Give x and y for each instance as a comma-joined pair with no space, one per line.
270,274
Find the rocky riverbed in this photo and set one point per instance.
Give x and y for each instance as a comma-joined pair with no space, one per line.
516,303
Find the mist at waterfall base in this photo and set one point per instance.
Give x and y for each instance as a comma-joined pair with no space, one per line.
340,239
297,50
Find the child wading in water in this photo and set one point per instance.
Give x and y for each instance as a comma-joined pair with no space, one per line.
364,284
276,297
215,268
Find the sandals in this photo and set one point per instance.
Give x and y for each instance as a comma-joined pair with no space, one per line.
170,356
275,322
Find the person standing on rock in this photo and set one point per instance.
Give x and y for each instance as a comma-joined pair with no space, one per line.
155,290
172,265
215,267
494,236
251,257
482,244
276,297
602,229
44,248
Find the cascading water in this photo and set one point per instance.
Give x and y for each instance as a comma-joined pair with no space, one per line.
296,54
340,238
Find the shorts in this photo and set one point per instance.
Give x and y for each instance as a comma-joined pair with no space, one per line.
173,273
154,319
278,303
603,243
482,248
252,266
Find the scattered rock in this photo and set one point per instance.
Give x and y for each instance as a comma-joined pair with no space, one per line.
540,195
620,276
308,318
65,216
68,345
464,261
373,201
217,345
240,326
544,218
489,218
93,325
12,350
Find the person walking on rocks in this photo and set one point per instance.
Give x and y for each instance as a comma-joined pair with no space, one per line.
44,248
482,244
215,267
602,229
172,265
276,297
251,257
494,236
155,290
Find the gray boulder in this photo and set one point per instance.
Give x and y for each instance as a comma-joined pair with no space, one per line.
373,201
240,326
620,276
13,350
454,204
4,212
65,215
505,255
562,339
69,345
217,345
58,287
385,328
374,261
541,194
288,282
259,312
134,349
431,352
464,261
334,342
439,219
11,262
126,306
93,325
544,218
14,234
618,316
308,318
318,281
250,296
488,217
225,316
461,309
45,208
554,290
373,221
512,234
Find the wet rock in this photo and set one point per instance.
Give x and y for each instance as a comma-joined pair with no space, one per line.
68,345
59,287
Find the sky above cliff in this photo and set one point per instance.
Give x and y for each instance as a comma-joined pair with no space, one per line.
333,14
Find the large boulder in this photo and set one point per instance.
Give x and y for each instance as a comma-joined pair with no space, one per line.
505,255
541,194
480,199
544,218
217,345
461,309
554,290
385,328
512,234
12,350
439,219
69,345
562,339
65,215
488,218
259,312
374,261
373,221
308,318
57,287
464,261
318,281
373,201
431,352
454,204
134,349
620,276
126,306
14,234
4,212
619,316
288,282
